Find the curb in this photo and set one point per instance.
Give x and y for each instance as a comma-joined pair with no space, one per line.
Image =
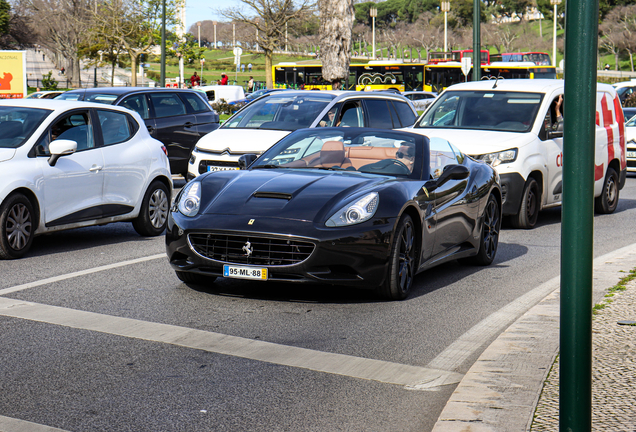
500,391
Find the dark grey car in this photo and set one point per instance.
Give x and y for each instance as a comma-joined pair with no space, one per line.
176,117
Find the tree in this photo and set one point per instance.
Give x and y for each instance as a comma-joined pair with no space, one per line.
62,28
626,20
5,17
132,24
14,28
336,22
270,19
610,36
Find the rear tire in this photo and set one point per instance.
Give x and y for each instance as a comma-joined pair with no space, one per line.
195,278
530,205
153,216
403,262
489,235
608,200
16,226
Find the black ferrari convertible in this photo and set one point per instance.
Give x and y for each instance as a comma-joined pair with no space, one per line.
346,206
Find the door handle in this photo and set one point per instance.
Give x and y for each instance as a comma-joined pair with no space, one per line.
150,129
95,168
188,124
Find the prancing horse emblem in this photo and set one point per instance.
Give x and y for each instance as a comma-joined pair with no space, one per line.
248,249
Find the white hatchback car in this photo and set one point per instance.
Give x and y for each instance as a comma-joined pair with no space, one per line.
73,164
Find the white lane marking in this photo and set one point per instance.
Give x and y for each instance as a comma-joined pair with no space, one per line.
8,424
79,273
452,358
339,364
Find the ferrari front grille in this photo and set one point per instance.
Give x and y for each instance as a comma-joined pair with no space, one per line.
252,250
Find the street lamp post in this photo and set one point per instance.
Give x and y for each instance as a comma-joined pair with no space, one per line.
199,29
285,37
374,13
554,3
445,5
214,22
233,35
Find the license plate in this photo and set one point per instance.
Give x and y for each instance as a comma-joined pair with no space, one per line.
240,272
218,168
631,154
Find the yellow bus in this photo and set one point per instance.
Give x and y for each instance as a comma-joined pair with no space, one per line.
401,76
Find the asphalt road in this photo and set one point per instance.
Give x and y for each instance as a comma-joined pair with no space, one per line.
98,334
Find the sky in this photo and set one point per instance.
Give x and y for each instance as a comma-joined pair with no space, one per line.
201,10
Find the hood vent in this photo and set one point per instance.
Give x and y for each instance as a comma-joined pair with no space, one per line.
274,195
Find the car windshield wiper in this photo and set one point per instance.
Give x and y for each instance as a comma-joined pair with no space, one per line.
333,168
267,166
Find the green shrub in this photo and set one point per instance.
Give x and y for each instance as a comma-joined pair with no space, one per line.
48,82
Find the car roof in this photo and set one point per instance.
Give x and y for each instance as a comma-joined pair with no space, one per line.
57,105
342,94
631,83
524,85
125,90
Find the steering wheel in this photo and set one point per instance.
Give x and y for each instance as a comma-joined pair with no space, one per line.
385,163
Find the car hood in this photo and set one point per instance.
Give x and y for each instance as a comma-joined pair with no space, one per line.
6,154
478,142
282,193
241,140
630,133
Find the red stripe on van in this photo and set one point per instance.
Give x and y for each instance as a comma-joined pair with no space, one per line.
620,118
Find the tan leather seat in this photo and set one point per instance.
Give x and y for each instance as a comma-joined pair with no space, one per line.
333,154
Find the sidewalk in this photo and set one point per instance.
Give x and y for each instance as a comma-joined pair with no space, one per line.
504,389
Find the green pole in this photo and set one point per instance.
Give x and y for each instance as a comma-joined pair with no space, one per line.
162,80
476,40
577,242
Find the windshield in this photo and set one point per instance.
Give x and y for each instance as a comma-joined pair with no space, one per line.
631,122
280,112
388,152
18,124
489,110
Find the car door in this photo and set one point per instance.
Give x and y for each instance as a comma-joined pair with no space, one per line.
206,119
72,188
126,161
553,152
175,128
453,224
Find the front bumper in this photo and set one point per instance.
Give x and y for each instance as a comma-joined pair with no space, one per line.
631,156
354,256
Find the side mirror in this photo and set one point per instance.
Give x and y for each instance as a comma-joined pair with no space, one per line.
555,134
246,160
59,148
453,172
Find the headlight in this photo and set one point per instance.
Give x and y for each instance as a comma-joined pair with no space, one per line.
190,199
357,212
495,159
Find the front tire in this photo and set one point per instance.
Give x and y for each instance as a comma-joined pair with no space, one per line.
607,202
489,234
403,262
16,226
153,216
530,204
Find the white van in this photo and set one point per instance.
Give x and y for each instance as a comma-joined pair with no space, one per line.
512,125
215,93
